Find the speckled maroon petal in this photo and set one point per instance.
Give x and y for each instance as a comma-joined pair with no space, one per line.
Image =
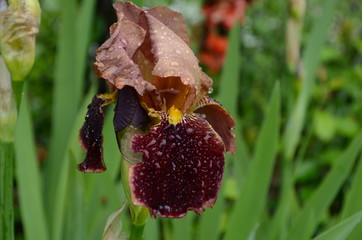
182,167
220,120
91,138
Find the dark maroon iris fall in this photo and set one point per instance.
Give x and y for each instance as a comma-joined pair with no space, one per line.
181,168
172,135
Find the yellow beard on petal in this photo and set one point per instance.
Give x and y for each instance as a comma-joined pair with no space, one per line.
175,115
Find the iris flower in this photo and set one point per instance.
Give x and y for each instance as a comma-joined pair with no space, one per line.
169,131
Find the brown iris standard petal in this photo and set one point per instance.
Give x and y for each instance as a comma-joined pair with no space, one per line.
174,58
151,99
172,20
114,58
220,120
91,137
128,11
156,37
206,84
182,167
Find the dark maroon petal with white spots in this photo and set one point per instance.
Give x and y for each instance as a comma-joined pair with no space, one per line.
182,167
91,137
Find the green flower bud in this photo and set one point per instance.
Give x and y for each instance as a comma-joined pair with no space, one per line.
19,23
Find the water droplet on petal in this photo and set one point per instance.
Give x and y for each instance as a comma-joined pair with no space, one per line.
174,64
100,64
169,73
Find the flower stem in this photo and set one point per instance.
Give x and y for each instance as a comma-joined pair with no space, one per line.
6,190
137,232
18,91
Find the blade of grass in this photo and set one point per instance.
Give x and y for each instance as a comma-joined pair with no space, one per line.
112,155
100,204
249,207
353,201
242,156
311,59
327,190
229,90
166,226
61,188
210,220
103,193
182,227
6,156
74,224
64,109
28,179
6,190
151,231
278,228
73,41
341,230
230,76
102,196
280,222
209,225
84,26
138,3
354,195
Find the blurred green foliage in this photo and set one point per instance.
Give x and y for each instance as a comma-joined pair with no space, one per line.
290,194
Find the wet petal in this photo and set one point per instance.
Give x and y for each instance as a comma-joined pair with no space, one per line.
176,22
151,99
149,50
174,59
172,20
128,11
206,84
91,137
182,167
213,112
114,58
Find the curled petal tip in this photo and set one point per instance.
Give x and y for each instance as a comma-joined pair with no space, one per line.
213,112
86,168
